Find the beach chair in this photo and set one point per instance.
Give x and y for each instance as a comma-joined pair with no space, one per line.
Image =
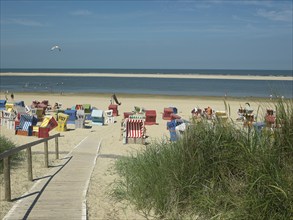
72,115
62,121
7,117
80,119
57,106
171,126
135,131
167,113
39,112
248,109
2,104
48,124
127,114
114,108
150,117
45,102
19,103
221,116
196,113
87,108
78,107
109,117
270,118
20,109
35,104
209,113
9,106
240,114
26,125
97,117
175,110
180,129
248,120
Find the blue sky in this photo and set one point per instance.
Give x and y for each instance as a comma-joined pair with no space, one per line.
170,34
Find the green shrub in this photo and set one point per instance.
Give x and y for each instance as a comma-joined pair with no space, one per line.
215,171
6,144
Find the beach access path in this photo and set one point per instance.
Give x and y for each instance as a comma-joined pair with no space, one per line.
61,194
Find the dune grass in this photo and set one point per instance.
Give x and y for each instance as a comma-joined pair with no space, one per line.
6,144
216,171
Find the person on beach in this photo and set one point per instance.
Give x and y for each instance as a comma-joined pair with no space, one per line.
12,96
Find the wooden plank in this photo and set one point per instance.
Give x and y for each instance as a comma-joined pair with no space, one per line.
56,148
46,154
29,164
7,186
62,195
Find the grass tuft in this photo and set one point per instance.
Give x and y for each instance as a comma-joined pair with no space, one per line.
216,171
6,144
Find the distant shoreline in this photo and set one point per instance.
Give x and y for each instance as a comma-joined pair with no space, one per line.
175,76
142,96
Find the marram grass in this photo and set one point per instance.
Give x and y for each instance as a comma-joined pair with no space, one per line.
216,171
6,144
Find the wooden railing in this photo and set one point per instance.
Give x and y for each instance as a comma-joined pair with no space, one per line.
5,156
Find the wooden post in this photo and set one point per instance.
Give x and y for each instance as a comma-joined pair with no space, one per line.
46,152
56,148
29,164
6,163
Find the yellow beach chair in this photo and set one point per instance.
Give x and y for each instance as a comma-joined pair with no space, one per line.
62,122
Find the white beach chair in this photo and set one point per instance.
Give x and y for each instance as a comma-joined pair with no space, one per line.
109,117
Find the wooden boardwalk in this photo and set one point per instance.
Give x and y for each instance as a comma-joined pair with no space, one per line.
62,193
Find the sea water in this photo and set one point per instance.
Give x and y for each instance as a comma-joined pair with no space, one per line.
161,86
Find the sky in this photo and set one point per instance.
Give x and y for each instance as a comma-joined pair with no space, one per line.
170,34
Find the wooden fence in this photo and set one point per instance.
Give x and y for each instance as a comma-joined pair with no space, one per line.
5,156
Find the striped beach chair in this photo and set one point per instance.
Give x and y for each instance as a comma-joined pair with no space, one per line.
25,125
135,129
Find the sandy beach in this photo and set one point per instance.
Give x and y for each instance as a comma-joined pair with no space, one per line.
175,76
100,205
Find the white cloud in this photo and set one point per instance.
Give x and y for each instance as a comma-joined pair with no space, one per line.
262,3
23,22
243,19
285,15
81,13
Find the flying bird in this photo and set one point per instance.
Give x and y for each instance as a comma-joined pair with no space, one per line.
56,47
